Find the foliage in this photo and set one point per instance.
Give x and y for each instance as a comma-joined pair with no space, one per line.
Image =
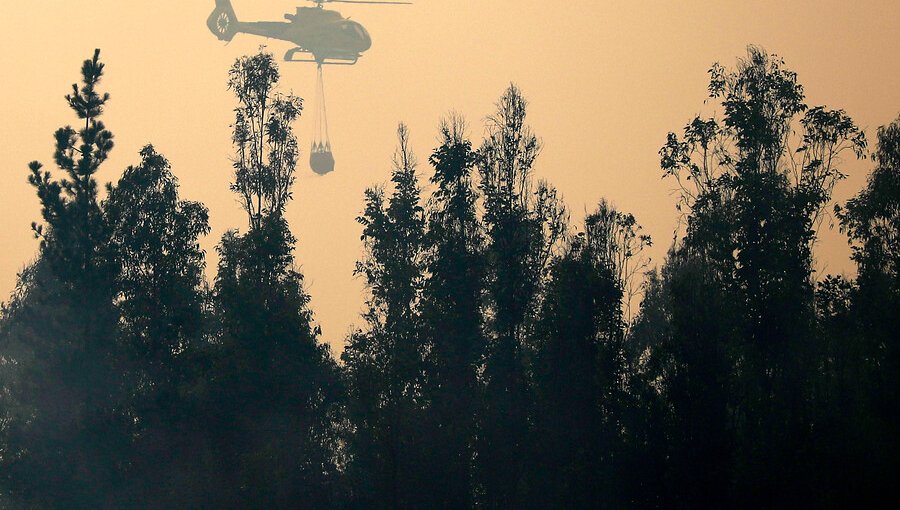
63,388
451,315
578,432
499,364
384,362
154,240
523,226
266,146
754,194
271,406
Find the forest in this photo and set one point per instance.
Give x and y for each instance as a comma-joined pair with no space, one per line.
509,356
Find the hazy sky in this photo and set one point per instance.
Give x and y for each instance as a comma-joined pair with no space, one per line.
606,81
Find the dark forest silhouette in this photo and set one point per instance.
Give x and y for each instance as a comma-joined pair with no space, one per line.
498,363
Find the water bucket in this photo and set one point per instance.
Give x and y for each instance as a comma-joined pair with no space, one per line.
321,161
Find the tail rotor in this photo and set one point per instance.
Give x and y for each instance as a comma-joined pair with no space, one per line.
223,21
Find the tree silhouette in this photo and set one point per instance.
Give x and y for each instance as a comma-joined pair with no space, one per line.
755,195
451,316
523,225
154,239
263,137
63,387
384,362
500,364
861,324
683,340
581,368
271,402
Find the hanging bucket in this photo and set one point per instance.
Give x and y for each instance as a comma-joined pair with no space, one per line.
321,159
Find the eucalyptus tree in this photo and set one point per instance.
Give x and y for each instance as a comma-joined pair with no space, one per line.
582,367
272,405
154,242
523,223
451,315
862,370
754,185
384,361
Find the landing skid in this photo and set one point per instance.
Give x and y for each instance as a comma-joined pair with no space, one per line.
328,61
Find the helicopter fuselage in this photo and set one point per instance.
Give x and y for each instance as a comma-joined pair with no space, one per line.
324,34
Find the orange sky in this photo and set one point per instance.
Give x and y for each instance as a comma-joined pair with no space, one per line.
606,81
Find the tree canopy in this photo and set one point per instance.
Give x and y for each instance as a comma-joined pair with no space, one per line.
505,357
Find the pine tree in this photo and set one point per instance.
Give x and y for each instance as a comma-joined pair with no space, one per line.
67,437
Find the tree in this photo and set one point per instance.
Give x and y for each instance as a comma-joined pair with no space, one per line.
523,226
451,316
872,219
153,238
384,362
683,368
263,138
581,368
272,405
868,378
63,386
755,195
617,240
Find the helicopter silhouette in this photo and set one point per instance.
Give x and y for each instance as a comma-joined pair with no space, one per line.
326,37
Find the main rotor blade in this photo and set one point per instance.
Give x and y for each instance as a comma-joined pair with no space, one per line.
366,2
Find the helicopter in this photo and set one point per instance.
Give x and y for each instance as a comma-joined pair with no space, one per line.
323,36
